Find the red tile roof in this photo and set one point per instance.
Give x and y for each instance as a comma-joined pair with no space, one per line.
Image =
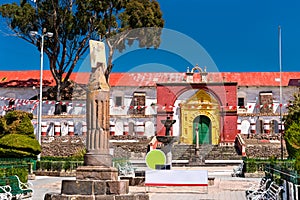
32,78
242,78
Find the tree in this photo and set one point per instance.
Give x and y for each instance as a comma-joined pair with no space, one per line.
17,137
75,22
292,127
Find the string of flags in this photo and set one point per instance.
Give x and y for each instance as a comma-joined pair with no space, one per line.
165,107
25,102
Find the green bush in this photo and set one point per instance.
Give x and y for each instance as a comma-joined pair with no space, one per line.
258,165
50,165
61,158
20,170
19,122
19,145
17,137
67,165
57,166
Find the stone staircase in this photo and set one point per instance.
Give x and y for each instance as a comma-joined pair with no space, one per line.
206,152
223,153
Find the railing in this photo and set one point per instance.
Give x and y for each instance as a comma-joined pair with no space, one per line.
240,144
288,178
278,172
58,165
153,143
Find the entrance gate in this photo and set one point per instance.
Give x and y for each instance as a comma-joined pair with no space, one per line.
201,126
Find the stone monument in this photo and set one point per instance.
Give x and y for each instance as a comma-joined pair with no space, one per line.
168,123
167,140
97,179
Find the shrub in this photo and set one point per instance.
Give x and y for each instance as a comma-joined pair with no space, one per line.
16,145
10,170
292,139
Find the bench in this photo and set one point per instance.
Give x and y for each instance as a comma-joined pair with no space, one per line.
271,193
238,171
5,193
126,170
264,183
12,185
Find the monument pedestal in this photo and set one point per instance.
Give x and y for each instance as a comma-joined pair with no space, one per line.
96,183
94,159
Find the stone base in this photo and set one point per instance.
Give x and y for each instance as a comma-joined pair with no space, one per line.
94,159
96,173
138,196
95,183
94,187
133,181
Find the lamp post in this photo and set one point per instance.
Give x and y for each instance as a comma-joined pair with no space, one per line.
280,91
35,34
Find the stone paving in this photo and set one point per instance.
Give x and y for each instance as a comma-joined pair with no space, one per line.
225,187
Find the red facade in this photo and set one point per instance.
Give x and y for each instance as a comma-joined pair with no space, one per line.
225,93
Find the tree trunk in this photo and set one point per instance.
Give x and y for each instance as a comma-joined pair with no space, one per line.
58,108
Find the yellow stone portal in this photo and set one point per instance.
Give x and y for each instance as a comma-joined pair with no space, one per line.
200,104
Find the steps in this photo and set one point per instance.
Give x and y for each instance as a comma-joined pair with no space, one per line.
206,152
223,153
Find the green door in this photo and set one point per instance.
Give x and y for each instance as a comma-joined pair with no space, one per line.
201,125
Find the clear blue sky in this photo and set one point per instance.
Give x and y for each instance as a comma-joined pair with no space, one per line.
230,35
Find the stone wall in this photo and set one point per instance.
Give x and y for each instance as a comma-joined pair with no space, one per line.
134,147
62,146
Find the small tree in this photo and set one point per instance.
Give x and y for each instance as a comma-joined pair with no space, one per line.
292,127
17,137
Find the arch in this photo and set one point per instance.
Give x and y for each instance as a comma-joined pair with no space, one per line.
206,89
149,128
198,68
245,127
64,128
78,128
119,127
204,105
274,126
259,126
50,129
131,128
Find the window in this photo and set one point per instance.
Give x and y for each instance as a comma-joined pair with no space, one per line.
137,106
241,102
63,108
11,105
266,102
118,101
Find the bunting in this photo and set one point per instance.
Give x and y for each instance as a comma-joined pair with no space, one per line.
25,102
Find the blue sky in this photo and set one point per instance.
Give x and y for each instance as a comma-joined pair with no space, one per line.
230,35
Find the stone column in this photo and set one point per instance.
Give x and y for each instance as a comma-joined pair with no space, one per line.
98,129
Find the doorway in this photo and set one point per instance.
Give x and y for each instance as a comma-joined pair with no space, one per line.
202,127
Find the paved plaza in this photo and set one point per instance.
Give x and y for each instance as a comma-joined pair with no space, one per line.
225,187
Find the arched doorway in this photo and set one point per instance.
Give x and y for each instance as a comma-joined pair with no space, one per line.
201,111
202,127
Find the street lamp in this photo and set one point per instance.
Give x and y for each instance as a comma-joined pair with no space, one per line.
36,34
280,91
